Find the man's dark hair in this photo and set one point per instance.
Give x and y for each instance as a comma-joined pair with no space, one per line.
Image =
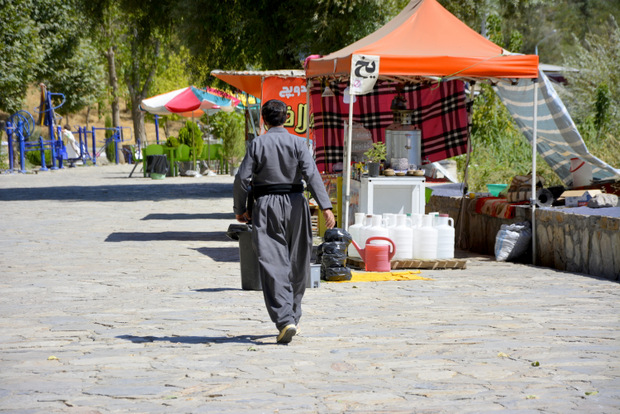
274,112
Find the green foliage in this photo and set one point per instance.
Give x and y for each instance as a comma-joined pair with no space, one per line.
70,64
191,136
109,148
34,157
592,94
376,153
20,52
270,34
230,127
499,149
602,107
172,142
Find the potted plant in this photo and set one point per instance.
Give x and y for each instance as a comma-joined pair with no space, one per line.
374,155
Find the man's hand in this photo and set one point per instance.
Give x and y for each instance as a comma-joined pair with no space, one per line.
243,218
330,220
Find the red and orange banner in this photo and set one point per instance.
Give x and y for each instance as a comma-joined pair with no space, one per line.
291,91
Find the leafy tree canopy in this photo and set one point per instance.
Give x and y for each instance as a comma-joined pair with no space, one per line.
272,34
20,52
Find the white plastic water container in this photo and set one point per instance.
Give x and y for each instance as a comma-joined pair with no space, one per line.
402,237
355,232
376,229
416,223
427,239
445,236
364,231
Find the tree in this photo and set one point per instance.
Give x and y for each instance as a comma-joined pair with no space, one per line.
69,63
107,29
148,38
171,74
230,127
592,93
272,34
20,52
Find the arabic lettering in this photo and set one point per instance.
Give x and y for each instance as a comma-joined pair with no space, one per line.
368,67
289,91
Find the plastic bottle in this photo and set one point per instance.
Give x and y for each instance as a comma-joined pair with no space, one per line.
427,239
402,237
377,229
416,223
445,236
364,231
355,231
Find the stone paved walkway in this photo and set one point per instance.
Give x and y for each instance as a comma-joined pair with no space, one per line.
123,295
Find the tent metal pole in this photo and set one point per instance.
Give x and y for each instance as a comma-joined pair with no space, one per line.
308,86
347,165
534,180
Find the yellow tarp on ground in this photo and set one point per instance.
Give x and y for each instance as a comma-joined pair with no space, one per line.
385,276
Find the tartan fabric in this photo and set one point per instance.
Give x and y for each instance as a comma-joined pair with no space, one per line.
440,113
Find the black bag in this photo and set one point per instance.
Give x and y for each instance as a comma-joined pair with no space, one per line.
335,274
335,247
157,164
337,235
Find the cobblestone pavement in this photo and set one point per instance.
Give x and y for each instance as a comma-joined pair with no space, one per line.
123,295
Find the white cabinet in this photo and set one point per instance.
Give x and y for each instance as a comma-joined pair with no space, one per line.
379,195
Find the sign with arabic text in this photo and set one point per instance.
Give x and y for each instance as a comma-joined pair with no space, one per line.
291,91
364,73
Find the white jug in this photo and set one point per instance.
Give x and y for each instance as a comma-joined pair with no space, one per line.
427,239
376,229
402,237
389,220
416,223
355,232
364,229
445,236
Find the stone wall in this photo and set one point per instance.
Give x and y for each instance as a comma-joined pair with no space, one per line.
564,241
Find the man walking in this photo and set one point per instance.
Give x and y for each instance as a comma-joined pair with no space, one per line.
274,166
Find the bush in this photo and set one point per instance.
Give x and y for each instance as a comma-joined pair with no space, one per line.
34,157
191,136
172,142
230,127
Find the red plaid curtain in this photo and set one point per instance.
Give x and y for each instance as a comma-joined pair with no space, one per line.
440,113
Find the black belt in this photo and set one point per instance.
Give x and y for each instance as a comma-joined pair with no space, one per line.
262,190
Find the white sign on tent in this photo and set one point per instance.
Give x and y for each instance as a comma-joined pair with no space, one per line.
364,73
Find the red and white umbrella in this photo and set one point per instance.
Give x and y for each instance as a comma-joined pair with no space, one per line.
189,101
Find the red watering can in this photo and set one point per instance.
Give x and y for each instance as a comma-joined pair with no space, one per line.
377,257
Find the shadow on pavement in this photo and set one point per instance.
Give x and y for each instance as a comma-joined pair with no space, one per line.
215,290
247,339
138,192
220,254
168,236
185,216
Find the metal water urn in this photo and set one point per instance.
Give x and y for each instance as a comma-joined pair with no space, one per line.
402,138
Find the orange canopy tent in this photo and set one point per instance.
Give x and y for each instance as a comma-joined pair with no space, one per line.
426,41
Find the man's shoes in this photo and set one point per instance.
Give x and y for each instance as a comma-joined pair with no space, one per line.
287,333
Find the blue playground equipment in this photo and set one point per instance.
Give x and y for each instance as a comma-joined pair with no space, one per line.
20,128
86,134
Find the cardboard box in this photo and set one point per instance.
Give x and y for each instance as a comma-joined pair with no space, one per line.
578,198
